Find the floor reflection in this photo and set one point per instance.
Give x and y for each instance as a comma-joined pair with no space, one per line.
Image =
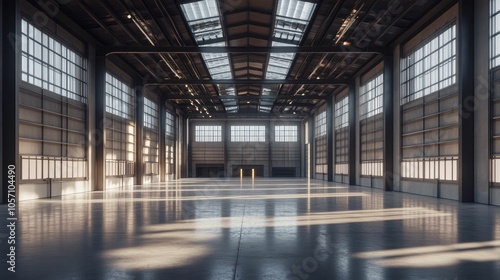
271,229
436,256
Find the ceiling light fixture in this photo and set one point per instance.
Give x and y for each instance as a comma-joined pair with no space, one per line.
143,28
348,22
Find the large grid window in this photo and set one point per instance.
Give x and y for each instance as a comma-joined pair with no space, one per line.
119,98
48,64
321,155
169,158
430,67
120,128
248,133
208,133
169,142
442,168
169,124
495,33
320,125
342,136
151,139
429,115
372,126
42,168
495,95
342,113
371,97
320,143
150,114
285,133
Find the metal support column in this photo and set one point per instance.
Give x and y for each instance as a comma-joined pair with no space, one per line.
176,141
162,157
10,45
352,133
329,138
189,147
100,123
139,139
466,99
270,136
388,102
312,148
225,138
185,142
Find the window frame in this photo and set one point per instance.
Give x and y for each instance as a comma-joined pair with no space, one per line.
286,133
320,125
169,124
150,114
494,33
208,133
120,99
428,59
371,97
50,64
245,133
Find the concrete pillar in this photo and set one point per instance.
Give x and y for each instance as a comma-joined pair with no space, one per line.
329,139
162,158
388,172
482,120
139,139
312,147
100,123
466,99
225,141
10,46
270,137
352,133
188,130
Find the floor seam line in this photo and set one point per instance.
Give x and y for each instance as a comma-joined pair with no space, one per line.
239,241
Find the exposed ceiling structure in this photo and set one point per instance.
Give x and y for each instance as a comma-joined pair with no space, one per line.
246,56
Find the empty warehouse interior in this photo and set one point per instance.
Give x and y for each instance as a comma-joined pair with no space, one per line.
250,139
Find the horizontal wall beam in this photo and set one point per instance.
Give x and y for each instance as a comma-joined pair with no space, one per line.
249,82
243,50
248,116
244,97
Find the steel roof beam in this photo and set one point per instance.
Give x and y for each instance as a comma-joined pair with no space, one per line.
250,82
243,50
244,97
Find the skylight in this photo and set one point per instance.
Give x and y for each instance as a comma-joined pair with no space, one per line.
292,19
204,20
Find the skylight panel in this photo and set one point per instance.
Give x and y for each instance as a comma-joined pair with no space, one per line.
266,91
200,10
265,109
295,9
204,20
231,109
292,19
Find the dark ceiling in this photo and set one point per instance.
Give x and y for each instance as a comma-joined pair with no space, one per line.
341,25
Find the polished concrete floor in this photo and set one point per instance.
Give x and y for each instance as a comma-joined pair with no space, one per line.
265,229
